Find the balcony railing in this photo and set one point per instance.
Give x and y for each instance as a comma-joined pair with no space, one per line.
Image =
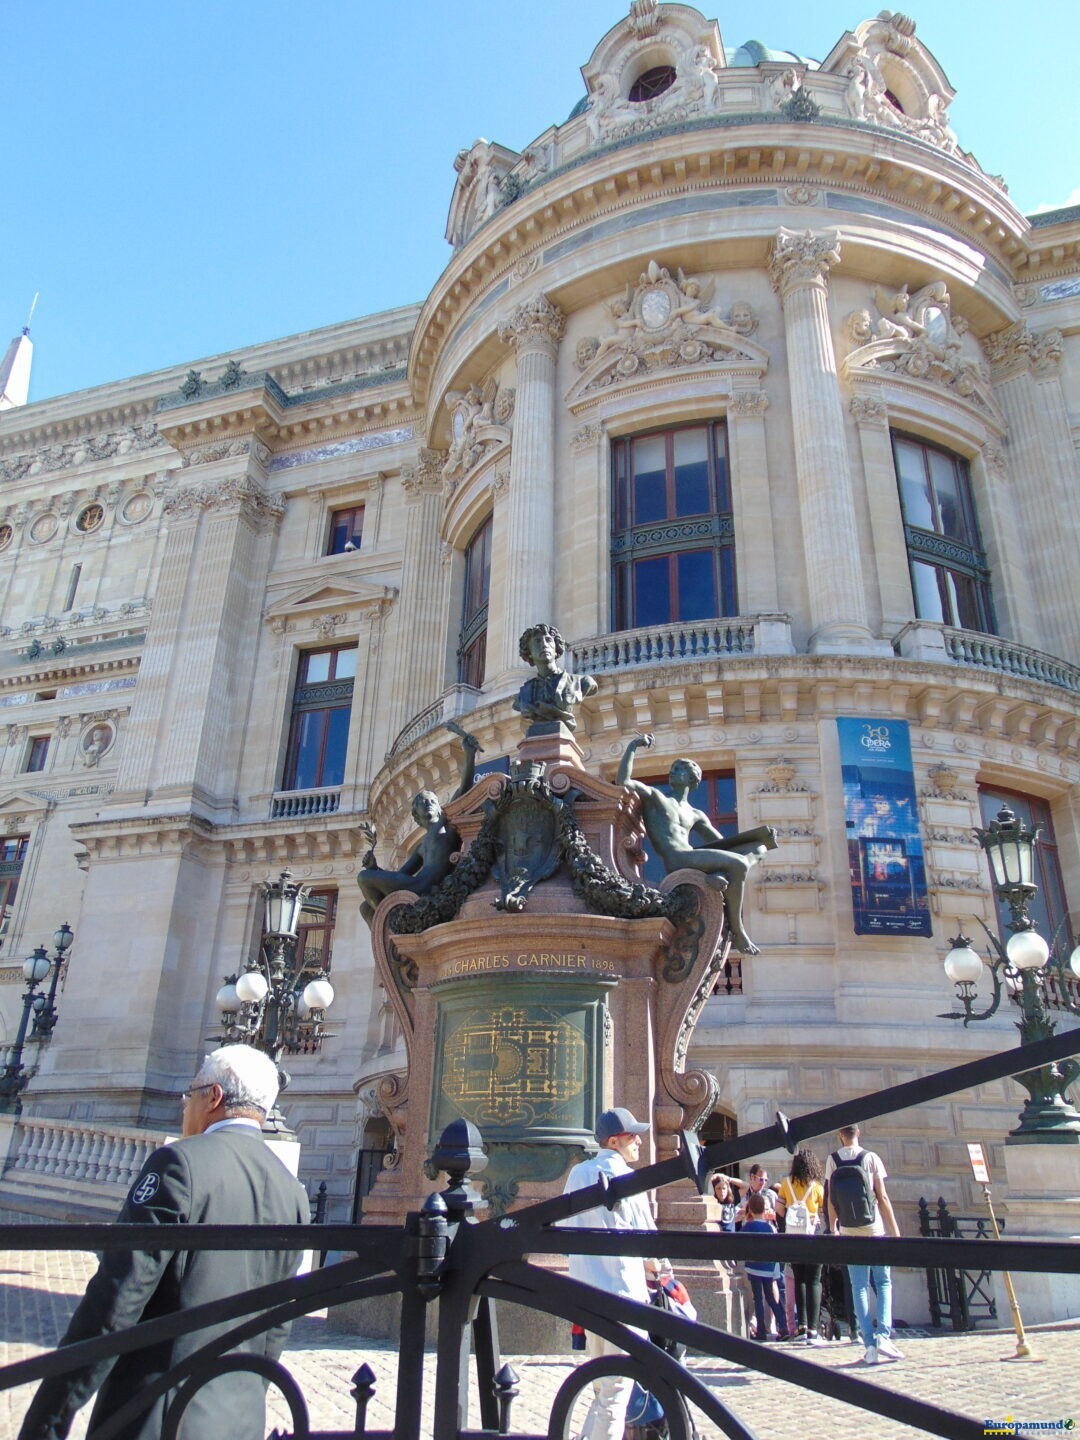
677,643
67,1151
990,652
296,803
457,700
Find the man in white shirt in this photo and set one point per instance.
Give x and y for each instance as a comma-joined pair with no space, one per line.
619,1136
850,1155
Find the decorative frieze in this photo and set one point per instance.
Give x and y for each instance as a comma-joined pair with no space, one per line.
51,458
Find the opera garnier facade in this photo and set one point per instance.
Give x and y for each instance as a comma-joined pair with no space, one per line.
747,378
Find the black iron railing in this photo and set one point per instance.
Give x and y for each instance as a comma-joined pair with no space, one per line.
442,1255
963,1297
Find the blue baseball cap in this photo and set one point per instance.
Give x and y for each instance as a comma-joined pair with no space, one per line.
619,1121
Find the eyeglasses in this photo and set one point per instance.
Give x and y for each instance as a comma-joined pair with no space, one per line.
186,1096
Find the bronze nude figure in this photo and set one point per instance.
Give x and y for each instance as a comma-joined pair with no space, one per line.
429,863
685,839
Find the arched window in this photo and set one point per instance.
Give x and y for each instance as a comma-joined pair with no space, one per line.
472,646
949,577
673,533
654,82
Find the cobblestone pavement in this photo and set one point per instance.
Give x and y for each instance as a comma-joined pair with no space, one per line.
39,1291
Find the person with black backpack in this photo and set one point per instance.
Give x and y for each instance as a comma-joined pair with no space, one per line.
859,1204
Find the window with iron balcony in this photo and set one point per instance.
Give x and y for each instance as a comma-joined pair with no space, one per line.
319,733
673,532
949,576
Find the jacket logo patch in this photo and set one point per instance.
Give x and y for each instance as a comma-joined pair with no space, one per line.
146,1189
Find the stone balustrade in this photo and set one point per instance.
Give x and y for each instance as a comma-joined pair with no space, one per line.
453,702
68,1152
295,803
679,642
991,652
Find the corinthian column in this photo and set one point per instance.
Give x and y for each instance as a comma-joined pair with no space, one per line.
1026,372
534,330
799,267
418,665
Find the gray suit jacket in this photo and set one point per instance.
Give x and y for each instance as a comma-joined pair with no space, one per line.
227,1177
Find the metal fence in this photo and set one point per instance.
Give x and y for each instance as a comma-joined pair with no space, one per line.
443,1257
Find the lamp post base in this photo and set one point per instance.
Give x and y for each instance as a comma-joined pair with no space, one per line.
1046,1121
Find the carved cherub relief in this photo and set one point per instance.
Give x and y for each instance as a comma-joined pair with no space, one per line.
480,425
666,320
914,334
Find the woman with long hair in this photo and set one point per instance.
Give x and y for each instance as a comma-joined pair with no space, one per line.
799,1202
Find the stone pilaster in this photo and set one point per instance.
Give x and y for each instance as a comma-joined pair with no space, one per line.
534,330
871,418
755,554
1012,577
418,662
799,267
1027,383
211,586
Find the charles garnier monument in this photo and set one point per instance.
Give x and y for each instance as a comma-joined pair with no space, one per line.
537,979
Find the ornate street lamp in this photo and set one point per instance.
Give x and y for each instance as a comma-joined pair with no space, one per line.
265,1005
1020,967
14,1077
46,1017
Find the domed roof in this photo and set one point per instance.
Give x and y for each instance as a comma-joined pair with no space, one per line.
753,52
747,55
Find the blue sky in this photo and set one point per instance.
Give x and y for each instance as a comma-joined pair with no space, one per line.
182,179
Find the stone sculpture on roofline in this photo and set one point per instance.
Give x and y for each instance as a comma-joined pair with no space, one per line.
539,978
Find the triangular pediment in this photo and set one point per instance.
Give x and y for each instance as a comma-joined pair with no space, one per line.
23,802
330,595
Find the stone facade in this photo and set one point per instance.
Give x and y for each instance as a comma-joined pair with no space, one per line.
803,255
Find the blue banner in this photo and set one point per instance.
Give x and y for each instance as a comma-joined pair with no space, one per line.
885,852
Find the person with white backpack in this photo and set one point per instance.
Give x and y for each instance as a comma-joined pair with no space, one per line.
800,1201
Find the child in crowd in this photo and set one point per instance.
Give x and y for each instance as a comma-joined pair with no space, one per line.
764,1274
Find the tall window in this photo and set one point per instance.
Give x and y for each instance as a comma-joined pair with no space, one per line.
346,530
949,577
12,855
316,932
1047,908
673,534
320,718
472,648
37,754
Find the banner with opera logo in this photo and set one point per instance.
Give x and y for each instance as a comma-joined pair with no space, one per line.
885,850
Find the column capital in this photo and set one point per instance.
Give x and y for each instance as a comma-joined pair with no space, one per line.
802,259
1016,349
866,410
535,324
748,404
425,477
238,492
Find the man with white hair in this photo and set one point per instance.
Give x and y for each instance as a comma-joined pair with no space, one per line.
220,1173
